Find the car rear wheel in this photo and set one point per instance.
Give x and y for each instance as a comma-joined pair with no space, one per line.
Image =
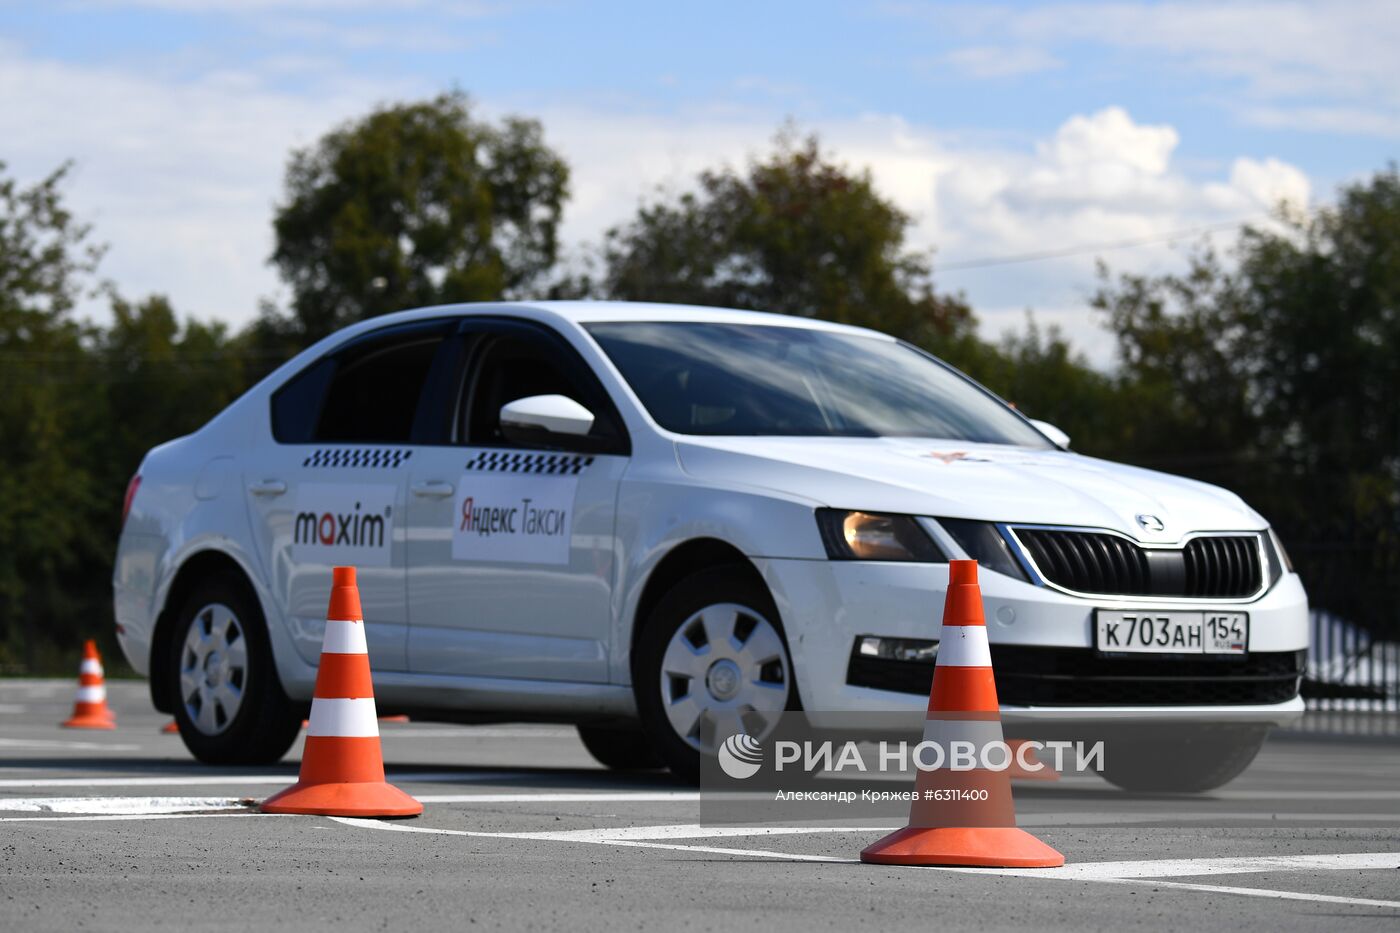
711,662
228,701
1184,759
620,749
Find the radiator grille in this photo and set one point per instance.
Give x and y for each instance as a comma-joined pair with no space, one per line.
1219,566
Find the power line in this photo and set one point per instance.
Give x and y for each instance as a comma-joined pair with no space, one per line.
1086,248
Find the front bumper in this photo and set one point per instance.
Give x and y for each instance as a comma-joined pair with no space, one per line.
1042,638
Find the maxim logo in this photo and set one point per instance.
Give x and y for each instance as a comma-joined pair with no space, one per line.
340,529
350,523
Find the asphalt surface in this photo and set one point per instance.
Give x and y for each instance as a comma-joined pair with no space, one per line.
123,830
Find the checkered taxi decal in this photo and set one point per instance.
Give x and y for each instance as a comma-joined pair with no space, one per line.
502,461
370,457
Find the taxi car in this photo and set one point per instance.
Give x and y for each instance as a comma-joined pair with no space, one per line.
667,524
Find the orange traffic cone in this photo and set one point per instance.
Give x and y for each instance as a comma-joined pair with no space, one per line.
963,817
342,768
1018,772
90,710
170,727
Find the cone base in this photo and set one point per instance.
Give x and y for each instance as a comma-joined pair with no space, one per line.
170,728
981,847
89,722
367,799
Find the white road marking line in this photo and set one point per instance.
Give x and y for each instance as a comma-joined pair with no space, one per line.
1145,872
1127,819
587,836
67,745
1186,867
400,730
629,797
1266,892
202,780
127,805
12,708
124,817
1306,795
696,831
747,853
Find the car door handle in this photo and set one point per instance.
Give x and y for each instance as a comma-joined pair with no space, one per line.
268,487
432,489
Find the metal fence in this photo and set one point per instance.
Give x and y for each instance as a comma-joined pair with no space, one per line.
1349,668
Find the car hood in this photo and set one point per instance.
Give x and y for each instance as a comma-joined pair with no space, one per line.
961,480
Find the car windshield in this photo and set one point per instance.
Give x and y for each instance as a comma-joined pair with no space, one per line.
755,380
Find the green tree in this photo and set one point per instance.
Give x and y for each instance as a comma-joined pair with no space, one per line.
46,492
1279,376
1039,372
416,204
793,233
160,379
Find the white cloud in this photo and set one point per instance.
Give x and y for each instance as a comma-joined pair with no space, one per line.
1312,66
181,180
460,8
375,35
990,61
1270,182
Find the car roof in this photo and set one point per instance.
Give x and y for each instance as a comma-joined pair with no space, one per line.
592,312
567,313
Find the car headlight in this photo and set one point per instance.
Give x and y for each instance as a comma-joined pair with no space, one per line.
875,536
1279,561
984,543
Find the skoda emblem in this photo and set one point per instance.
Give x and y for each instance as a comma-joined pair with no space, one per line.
1150,522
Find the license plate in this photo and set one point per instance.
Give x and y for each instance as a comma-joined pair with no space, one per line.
1171,632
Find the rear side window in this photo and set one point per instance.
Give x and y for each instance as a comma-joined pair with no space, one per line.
366,393
296,407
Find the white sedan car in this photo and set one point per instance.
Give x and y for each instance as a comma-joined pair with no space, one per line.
665,524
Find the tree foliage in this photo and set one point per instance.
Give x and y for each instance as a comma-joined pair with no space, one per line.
1277,379
79,406
46,260
416,204
793,233
1271,370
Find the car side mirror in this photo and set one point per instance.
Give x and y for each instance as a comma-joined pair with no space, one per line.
531,420
1057,437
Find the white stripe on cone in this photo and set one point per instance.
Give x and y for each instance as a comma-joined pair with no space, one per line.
979,733
90,666
964,646
92,694
343,718
344,638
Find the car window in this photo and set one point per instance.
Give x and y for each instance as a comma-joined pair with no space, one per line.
367,391
516,363
736,379
374,394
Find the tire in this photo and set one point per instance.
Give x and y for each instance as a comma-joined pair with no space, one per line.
227,698
620,749
728,600
1183,760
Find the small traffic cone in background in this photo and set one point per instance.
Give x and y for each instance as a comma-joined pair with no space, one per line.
342,767
952,828
170,727
90,711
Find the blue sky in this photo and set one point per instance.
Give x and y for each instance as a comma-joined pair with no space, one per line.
1003,129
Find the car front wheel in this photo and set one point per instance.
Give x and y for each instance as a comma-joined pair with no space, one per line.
1181,759
229,703
711,662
